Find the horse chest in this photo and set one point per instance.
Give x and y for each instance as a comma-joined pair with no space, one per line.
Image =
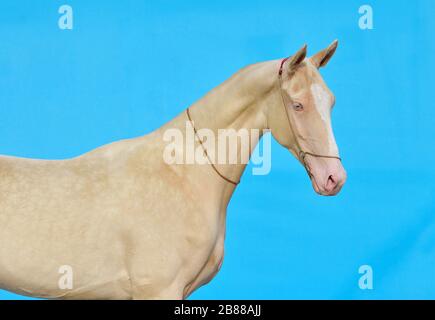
209,270
212,263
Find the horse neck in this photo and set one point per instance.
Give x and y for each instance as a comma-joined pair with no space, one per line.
238,103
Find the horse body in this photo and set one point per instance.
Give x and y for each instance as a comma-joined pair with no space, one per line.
128,224
126,229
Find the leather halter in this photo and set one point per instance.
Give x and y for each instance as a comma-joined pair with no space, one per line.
301,153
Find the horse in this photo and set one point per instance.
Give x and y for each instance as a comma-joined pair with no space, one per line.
123,223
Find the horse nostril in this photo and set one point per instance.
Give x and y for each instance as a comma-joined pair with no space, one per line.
331,183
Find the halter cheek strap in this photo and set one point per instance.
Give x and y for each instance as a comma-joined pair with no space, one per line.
301,154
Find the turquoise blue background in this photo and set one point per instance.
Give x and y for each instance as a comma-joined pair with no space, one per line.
130,66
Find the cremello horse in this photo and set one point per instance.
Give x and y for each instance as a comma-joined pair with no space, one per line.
126,224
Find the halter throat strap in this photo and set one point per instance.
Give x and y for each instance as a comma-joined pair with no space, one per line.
235,183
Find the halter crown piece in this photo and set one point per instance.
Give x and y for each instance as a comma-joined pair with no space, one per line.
302,154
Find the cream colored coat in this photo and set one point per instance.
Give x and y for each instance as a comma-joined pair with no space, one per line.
128,224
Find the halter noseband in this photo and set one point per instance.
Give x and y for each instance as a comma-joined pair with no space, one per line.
301,154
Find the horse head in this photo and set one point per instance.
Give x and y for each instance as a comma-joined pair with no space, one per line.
301,120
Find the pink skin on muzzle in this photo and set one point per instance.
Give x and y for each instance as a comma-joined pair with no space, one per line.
327,175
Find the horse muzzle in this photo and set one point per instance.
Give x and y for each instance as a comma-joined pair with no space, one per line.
327,175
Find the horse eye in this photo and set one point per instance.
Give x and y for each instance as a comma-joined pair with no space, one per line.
298,107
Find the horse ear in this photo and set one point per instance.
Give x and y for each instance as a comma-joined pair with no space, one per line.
321,58
297,58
